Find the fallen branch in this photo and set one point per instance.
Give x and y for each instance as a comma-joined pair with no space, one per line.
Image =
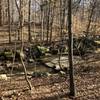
26,78
9,93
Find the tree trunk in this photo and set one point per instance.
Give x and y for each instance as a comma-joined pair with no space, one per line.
21,51
0,12
42,22
52,20
9,21
12,14
90,17
48,20
29,21
61,19
25,71
70,44
18,9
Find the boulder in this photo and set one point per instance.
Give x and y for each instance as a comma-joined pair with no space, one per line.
3,77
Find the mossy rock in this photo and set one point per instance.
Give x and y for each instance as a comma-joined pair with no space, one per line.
40,74
6,55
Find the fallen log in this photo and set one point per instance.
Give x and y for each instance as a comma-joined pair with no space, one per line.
9,93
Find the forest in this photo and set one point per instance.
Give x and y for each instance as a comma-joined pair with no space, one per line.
49,49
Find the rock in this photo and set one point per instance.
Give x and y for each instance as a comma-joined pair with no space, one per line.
2,68
39,74
8,64
3,77
49,64
57,67
30,60
43,49
48,74
9,93
6,55
62,73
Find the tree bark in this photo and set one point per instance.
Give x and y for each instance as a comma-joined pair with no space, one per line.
62,17
70,44
21,51
9,21
51,22
0,12
42,21
29,21
90,17
48,20
25,71
18,8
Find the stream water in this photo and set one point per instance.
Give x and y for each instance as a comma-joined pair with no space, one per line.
49,61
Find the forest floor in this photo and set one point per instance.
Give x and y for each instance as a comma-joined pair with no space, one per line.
56,86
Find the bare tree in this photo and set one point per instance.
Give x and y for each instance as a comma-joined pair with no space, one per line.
48,18
21,21
70,45
18,9
62,16
12,13
42,5
0,12
29,21
52,19
9,21
91,13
